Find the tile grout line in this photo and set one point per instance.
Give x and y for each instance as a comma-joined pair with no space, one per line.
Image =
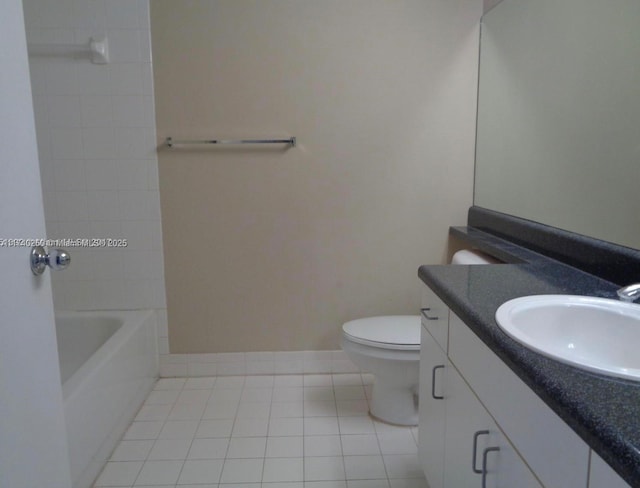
194,435
233,426
304,464
266,442
335,401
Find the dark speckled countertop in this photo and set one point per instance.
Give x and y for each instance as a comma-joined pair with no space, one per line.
603,411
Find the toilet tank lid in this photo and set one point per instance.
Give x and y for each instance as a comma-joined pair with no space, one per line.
394,329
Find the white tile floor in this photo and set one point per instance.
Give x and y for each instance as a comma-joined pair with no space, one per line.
290,431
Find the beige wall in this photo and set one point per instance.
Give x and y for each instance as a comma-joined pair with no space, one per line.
273,249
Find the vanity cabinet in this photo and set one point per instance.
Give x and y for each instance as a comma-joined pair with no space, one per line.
551,448
477,454
460,445
472,402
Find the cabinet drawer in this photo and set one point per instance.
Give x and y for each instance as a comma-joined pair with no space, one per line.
555,453
435,317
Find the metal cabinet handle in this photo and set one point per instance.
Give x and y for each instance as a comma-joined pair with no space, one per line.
475,450
55,259
424,311
484,463
433,382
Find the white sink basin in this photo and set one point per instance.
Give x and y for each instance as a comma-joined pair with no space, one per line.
595,334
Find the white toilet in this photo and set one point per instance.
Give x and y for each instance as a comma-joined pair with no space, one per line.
389,348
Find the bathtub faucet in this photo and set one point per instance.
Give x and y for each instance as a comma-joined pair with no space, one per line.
629,293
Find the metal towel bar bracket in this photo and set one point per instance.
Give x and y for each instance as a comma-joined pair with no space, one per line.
170,142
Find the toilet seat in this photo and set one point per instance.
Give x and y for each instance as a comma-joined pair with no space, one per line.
399,332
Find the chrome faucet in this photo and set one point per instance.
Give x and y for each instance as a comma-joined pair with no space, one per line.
629,293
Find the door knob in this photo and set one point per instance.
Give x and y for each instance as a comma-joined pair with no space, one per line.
55,259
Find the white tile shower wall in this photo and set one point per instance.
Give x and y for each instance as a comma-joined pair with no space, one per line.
251,363
96,138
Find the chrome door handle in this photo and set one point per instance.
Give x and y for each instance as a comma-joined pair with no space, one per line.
55,259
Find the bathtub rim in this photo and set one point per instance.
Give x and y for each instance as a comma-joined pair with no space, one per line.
129,320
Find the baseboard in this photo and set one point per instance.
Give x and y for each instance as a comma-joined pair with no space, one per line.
255,363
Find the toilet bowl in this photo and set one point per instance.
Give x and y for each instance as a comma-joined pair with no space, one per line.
389,348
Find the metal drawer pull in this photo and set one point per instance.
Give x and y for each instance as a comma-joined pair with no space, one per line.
424,313
484,463
475,449
433,382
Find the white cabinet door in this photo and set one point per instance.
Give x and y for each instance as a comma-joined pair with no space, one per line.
433,365
508,470
555,453
602,476
465,417
474,444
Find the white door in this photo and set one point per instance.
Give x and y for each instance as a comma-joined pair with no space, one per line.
33,444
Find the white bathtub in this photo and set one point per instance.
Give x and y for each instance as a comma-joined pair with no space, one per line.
108,365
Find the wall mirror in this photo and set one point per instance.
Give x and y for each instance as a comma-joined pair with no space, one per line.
558,138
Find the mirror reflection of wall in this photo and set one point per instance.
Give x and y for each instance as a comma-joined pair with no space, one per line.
559,115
